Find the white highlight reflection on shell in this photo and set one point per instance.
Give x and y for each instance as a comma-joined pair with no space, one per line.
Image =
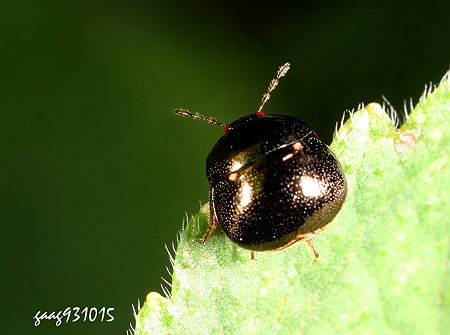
311,187
235,165
245,194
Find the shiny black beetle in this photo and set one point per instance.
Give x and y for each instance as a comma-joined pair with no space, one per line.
272,181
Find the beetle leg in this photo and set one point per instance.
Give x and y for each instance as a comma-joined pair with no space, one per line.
252,256
212,217
308,242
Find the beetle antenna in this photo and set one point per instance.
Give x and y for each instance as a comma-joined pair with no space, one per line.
274,83
197,116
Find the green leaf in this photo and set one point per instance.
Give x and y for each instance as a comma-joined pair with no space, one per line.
384,260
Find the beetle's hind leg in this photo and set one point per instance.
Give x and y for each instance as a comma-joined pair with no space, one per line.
308,242
212,217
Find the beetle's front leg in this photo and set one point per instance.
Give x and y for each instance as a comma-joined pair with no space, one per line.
212,217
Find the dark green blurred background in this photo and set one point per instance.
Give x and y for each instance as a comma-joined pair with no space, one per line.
97,173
